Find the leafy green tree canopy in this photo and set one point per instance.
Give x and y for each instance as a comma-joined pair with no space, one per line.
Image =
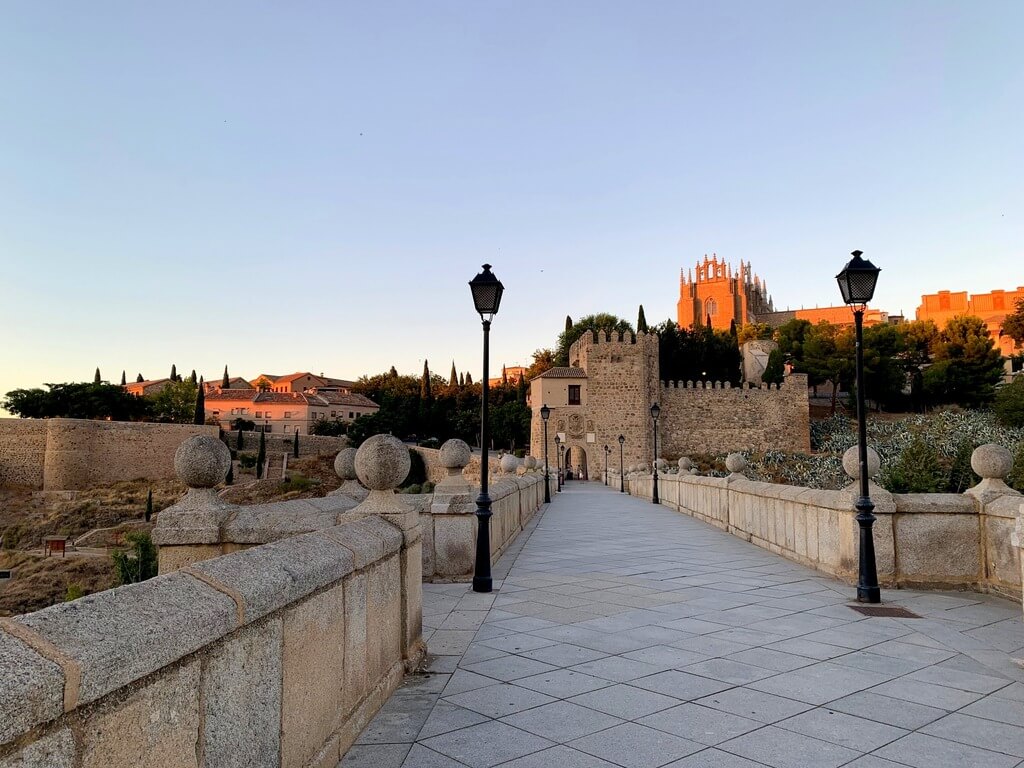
78,400
175,403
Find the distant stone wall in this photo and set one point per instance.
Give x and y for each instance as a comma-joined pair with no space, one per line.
71,454
705,417
22,452
309,445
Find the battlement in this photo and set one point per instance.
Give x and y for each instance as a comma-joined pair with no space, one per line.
796,381
628,343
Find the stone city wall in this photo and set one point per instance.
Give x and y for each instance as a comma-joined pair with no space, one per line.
949,541
277,655
22,452
78,453
309,445
703,417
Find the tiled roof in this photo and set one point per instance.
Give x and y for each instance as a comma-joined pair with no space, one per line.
361,400
294,376
563,373
231,394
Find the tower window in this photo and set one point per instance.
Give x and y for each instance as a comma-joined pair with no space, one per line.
711,307
574,394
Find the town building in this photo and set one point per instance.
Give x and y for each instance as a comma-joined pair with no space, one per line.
991,307
303,381
511,373
285,411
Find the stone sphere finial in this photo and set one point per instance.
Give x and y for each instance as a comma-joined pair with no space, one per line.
509,464
530,462
661,464
851,462
685,464
735,463
345,464
992,462
202,461
382,462
454,454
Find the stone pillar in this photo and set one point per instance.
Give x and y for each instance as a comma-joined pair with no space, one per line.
190,531
885,509
345,468
381,464
1017,540
454,456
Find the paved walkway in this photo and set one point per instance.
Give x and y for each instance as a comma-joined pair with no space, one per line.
627,635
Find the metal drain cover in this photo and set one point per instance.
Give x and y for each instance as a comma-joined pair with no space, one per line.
891,611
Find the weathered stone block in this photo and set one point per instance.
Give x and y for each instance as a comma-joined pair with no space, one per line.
32,690
454,553
156,726
55,750
313,675
124,634
939,548
274,575
242,699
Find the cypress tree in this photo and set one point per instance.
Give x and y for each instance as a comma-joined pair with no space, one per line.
124,381
139,379
295,446
469,379
732,328
226,382
149,506
641,321
174,372
97,379
261,455
393,373
230,479
568,323
200,417
504,376
240,442
521,393
192,377
709,320
462,379
425,382
453,379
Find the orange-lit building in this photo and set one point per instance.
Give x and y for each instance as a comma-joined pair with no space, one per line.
304,381
513,373
285,411
715,291
991,307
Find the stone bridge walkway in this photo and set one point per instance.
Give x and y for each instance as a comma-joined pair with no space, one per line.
626,635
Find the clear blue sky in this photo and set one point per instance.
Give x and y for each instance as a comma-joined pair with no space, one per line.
309,186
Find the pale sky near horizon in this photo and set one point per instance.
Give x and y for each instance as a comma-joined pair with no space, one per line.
309,186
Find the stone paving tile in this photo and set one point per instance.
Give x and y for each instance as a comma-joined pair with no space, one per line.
785,749
919,750
635,746
637,636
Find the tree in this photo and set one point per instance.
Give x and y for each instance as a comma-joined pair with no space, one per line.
124,381
696,354
261,455
543,360
917,470
504,376
828,357
885,369
139,563
1009,403
174,372
240,440
774,370
521,390
148,514
263,384
732,329
139,379
453,377
175,403
1013,325
603,322
753,332
469,379
97,379
641,321
425,382
966,365
76,400
192,376
462,380
568,323
225,383
295,445
230,479
200,414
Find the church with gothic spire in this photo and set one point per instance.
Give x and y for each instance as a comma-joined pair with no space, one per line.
714,293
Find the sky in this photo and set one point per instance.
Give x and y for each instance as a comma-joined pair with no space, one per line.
310,186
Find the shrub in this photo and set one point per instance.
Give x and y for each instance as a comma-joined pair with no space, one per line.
297,482
1016,478
428,487
1009,403
12,537
247,460
917,470
74,591
961,475
137,564
414,488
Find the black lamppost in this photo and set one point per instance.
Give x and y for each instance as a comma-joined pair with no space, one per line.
558,463
607,450
565,467
487,290
857,284
622,477
545,413
655,413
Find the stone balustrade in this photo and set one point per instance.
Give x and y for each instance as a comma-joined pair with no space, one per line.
278,654
944,540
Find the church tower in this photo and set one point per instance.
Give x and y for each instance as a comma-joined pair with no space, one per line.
713,291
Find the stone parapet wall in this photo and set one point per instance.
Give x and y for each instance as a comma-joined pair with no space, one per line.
309,445
704,417
921,540
449,523
22,452
277,655
72,454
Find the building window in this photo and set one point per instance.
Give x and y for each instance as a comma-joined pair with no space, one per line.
334,414
711,307
574,394
351,415
259,414
287,414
